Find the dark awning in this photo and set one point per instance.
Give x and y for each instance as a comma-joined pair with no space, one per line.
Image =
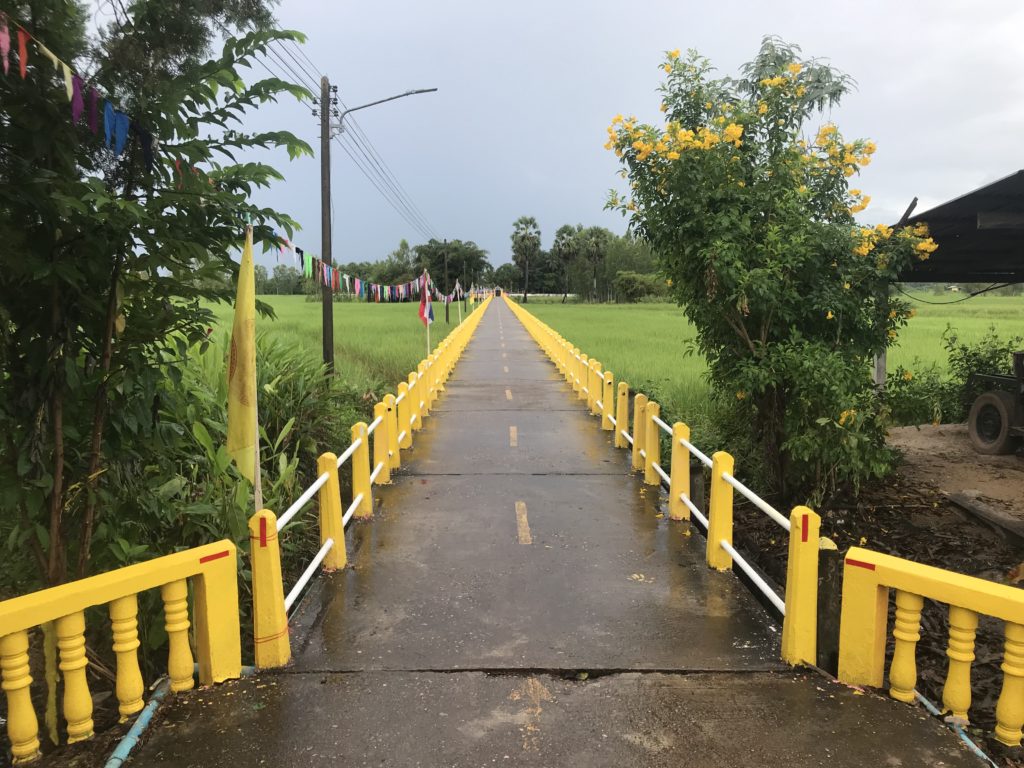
980,236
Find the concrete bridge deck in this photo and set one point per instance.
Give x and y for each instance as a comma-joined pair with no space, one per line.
516,601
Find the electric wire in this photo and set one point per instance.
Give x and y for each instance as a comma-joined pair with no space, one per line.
993,287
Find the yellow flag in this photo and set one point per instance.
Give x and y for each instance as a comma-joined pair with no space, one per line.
242,435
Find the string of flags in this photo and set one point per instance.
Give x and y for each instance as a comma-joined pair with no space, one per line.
84,98
342,282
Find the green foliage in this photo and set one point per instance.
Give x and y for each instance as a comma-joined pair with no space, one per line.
753,222
525,246
101,300
632,286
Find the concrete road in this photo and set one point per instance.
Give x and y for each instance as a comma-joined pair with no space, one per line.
517,601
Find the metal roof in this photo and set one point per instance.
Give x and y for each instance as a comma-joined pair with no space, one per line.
980,236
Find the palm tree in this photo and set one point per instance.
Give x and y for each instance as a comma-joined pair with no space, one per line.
593,244
566,249
525,246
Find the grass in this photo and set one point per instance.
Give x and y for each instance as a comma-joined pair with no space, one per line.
645,344
375,345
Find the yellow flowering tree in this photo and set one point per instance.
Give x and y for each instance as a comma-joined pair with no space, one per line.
746,197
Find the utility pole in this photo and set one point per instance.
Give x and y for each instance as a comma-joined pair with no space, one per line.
325,218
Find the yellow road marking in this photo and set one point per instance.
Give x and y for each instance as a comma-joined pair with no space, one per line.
513,437
503,354
506,368
522,524
503,345
508,394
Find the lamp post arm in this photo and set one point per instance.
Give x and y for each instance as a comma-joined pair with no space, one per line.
339,125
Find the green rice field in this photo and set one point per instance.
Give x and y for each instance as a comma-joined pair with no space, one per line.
645,344
375,345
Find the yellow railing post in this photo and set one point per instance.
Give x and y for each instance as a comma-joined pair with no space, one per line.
179,654
77,699
574,369
956,693
596,386
423,389
906,633
414,405
622,415
800,625
361,471
584,377
862,623
720,512
1010,707
394,449
269,619
22,725
608,401
124,625
331,513
639,422
380,445
652,446
679,473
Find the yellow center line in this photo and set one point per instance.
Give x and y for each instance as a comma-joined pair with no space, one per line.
523,524
508,394
506,368
503,354
513,437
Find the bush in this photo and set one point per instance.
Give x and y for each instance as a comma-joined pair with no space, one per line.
633,287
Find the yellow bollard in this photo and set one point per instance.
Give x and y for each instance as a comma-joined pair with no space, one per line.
574,369
394,448
381,461
597,387
269,619
639,422
585,373
22,725
414,404
720,512
862,623
800,624
652,440
423,388
1010,707
622,415
608,400
403,401
361,471
124,627
77,699
331,513
679,473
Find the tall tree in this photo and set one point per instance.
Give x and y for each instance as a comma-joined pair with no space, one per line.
525,246
566,249
116,254
593,244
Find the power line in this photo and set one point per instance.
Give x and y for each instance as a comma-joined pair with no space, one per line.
993,287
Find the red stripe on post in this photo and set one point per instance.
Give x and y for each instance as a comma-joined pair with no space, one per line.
803,528
860,564
215,556
263,532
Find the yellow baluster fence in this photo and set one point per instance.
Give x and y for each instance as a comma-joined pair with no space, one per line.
596,387
868,578
375,451
214,627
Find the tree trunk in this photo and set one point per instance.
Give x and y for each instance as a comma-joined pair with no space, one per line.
56,567
526,281
98,422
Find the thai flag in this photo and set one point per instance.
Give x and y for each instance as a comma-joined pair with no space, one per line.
426,311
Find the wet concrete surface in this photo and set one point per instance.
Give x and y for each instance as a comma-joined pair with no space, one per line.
526,604
477,719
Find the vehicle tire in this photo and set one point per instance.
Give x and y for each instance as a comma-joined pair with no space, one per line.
990,423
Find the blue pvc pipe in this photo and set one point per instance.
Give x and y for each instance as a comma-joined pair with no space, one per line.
129,740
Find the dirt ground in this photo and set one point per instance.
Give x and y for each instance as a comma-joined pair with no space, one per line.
941,456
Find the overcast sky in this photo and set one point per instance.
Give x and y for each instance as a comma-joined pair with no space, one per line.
526,90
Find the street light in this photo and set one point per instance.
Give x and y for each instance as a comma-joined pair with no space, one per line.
327,132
